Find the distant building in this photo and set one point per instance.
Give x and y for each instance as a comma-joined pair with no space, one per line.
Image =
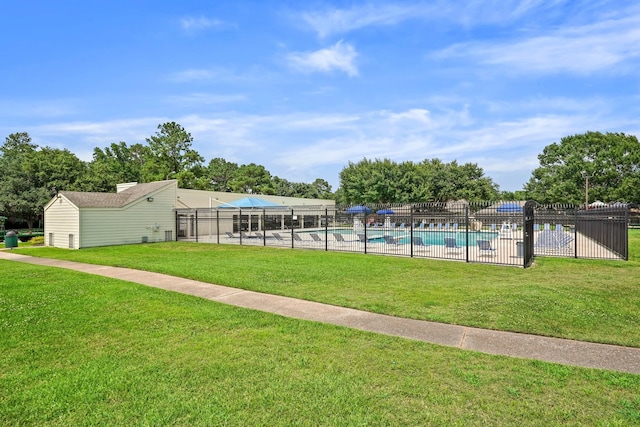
136,213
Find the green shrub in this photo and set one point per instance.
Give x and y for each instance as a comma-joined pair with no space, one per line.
37,241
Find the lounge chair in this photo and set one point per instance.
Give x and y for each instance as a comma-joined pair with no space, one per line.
390,240
278,237
484,246
339,238
419,243
230,235
455,226
553,240
315,237
431,226
259,235
451,244
421,226
559,227
297,237
362,238
447,226
439,226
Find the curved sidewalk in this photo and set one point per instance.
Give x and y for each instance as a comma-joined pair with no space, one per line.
568,352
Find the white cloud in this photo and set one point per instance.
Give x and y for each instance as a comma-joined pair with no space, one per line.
341,57
206,99
580,50
338,21
328,22
200,23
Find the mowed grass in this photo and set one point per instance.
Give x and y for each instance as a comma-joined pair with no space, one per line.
587,300
77,349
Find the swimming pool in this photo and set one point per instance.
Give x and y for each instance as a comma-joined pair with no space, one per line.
428,237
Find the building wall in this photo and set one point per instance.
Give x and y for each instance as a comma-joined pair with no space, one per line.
135,223
61,221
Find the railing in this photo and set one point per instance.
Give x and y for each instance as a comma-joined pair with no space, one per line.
469,232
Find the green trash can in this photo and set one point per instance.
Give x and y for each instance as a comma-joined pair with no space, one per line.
11,240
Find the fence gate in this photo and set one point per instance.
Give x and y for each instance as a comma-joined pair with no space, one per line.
527,232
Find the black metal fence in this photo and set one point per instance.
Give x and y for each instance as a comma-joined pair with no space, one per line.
508,233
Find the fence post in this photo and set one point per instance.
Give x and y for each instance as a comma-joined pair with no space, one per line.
365,232
197,232
218,226
575,233
264,232
411,235
326,228
177,225
240,223
466,220
292,229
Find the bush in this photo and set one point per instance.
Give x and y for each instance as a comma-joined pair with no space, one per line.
37,241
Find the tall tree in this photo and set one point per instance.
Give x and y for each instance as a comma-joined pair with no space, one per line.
610,162
31,175
171,155
115,164
220,173
384,181
252,179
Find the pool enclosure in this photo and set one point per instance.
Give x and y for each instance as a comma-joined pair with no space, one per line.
508,233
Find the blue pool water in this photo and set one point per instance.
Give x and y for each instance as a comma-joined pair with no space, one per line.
428,237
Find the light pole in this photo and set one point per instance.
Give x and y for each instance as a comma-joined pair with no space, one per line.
586,177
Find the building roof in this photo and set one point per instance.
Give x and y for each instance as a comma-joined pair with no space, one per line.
114,200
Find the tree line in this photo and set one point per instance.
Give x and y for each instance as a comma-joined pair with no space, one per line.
31,174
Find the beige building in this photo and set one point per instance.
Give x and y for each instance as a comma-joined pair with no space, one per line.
139,213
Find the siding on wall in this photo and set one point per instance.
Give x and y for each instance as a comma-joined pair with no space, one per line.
120,226
61,218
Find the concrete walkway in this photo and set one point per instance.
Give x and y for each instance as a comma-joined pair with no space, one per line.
568,352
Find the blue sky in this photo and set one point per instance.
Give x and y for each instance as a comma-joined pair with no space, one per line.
305,87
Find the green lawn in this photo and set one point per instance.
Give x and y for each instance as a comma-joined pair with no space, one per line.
77,349
579,299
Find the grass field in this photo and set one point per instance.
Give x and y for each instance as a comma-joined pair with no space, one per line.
77,349
586,300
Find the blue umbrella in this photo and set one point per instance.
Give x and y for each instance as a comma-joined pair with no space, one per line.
386,211
358,210
510,208
251,202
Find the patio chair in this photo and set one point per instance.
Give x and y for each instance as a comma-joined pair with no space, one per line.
492,227
451,244
390,240
315,237
559,227
447,226
455,226
421,226
484,246
419,243
536,227
339,238
431,226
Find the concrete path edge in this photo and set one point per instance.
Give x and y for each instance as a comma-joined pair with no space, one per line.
557,350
